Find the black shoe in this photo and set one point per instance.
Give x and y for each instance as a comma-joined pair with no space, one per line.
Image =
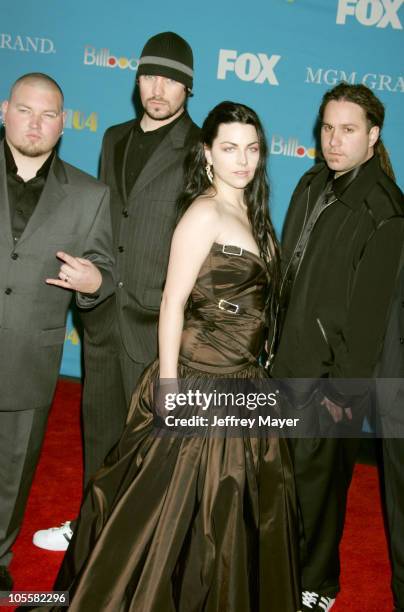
6,582
314,601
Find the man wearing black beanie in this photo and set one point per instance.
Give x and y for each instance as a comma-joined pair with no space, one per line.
142,163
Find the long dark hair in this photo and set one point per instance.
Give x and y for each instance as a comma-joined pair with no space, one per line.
373,109
256,194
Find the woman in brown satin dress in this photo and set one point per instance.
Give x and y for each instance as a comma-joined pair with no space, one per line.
199,523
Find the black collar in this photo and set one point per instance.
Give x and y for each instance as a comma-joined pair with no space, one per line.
159,132
341,184
357,189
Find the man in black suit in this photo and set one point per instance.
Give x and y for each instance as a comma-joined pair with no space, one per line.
142,163
55,238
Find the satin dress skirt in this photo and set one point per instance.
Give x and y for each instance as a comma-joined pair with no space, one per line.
176,523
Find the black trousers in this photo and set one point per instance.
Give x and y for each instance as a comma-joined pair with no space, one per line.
21,437
393,460
323,473
109,380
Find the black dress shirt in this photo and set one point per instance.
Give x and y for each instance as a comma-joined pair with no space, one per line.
23,196
141,147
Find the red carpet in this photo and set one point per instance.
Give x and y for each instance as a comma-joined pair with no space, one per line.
55,497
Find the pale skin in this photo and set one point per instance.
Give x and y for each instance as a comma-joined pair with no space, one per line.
77,273
346,140
218,216
163,100
34,120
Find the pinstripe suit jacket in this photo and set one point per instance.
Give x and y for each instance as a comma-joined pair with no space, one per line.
72,215
142,223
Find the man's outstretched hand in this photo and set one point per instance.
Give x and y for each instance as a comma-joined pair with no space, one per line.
77,274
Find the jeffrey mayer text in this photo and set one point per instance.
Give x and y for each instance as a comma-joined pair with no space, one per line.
229,421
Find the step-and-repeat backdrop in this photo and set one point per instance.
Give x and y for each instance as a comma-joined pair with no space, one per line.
278,56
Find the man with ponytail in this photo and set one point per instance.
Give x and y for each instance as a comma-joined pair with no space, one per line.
341,245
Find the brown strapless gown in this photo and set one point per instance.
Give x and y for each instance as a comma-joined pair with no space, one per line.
186,523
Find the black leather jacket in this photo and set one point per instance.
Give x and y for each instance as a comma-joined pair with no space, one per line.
334,310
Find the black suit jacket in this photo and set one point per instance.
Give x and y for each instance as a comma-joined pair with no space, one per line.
72,215
143,223
390,381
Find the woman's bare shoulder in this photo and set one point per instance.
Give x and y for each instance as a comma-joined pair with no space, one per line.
204,208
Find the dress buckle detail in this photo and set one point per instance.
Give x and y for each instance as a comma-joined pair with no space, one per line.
228,306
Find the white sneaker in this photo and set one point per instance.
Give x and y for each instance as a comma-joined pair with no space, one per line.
55,538
313,601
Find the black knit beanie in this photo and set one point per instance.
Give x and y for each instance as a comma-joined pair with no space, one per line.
168,55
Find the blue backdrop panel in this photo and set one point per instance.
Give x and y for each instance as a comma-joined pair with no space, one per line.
278,56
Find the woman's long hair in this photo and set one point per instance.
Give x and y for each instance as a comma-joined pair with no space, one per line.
374,112
256,194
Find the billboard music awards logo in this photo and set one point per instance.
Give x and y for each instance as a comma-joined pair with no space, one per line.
290,147
332,76
26,44
72,336
378,13
103,59
77,120
248,67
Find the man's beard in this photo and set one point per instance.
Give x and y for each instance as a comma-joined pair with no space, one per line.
35,149
157,116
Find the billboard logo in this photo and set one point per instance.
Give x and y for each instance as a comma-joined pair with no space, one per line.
290,147
77,120
27,44
72,336
248,66
379,13
103,59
